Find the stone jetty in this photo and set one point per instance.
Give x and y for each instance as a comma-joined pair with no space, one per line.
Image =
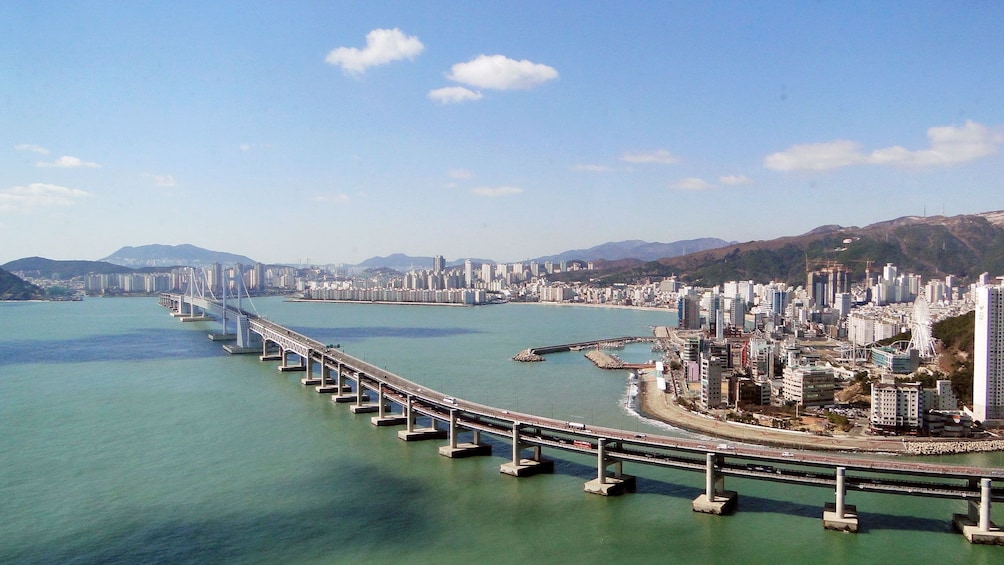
527,356
604,360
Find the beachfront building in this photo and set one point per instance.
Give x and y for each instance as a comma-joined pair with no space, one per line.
988,356
808,384
711,381
896,407
941,397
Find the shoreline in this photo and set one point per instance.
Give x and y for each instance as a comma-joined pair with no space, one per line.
657,405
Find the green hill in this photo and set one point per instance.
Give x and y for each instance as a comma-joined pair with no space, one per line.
14,288
52,269
964,246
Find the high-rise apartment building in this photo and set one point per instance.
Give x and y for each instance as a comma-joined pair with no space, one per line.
711,381
988,362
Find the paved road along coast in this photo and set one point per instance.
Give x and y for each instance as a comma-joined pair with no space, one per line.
662,406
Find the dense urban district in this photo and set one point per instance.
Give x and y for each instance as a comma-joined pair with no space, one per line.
855,350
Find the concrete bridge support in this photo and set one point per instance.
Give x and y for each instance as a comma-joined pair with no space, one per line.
300,366
976,524
384,417
839,516
310,379
520,467
343,392
269,353
362,404
604,483
326,386
457,450
243,339
412,433
715,499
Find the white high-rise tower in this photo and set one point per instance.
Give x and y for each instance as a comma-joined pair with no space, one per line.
988,361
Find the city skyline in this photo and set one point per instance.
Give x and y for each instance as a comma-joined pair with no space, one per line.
511,131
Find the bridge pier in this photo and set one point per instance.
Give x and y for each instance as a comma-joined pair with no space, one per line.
520,467
325,386
362,404
975,524
715,499
839,516
384,418
457,450
343,392
604,483
285,366
310,379
411,433
269,355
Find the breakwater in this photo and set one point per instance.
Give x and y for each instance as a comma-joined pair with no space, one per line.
952,447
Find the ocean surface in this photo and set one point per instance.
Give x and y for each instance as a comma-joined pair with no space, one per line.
127,436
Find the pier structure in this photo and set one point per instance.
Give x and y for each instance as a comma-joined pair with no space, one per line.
605,483
715,499
977,487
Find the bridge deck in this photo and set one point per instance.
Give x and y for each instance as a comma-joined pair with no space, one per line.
872,475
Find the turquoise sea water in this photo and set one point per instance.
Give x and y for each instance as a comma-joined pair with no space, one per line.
129,437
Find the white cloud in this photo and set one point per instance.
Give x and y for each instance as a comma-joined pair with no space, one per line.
163,181
31,148
499,72
691,183
382,46
660,156
454,95
245,147
67,162
492,192
587,168
37,195
460,174
333,198
816,156
949,146
734,180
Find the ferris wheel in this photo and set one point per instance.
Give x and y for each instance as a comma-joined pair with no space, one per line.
921,338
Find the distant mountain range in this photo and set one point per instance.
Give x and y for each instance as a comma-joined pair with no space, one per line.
935,246
637,249
172,256
611,251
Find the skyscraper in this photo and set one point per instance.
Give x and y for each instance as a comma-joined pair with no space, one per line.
468,273
988,362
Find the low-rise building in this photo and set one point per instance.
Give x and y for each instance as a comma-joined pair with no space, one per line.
896,407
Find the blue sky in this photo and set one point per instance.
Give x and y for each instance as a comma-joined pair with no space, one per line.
337,131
